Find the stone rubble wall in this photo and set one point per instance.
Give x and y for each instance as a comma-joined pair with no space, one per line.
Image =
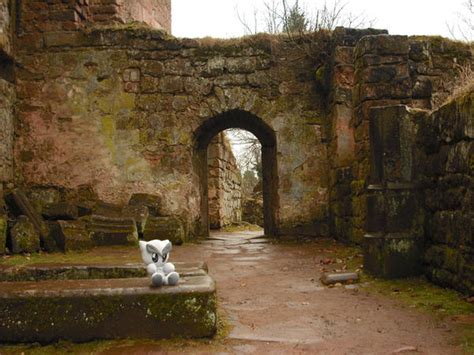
135,99
448,142
225,184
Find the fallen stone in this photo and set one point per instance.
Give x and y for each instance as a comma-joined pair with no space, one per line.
139,214
153,203
84,198
86,310
339,278
60,211
170,228
3,233
41,196
106,209
24,237
20,202
71,235
113,231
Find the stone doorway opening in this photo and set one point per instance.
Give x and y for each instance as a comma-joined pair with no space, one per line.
205,137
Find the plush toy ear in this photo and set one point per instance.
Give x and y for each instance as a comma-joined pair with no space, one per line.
146,257
167,247
151,249
142,245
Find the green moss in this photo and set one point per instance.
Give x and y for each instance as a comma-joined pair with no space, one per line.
100,255
241,228
434,300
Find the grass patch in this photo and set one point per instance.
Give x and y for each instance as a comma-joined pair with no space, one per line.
102,255
443,303
241,227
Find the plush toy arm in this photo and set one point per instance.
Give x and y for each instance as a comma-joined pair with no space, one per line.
168,267
151,269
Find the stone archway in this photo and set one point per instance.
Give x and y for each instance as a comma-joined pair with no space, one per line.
247,121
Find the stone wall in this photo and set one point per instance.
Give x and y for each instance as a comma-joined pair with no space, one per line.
225,184
39,16
448,142
134,100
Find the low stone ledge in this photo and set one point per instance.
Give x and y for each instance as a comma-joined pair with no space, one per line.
39,272
86,310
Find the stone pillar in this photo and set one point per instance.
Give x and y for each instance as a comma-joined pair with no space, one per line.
393,243
342,147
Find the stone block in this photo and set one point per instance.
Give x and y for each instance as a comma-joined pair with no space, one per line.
3,233
382,45
24,237
60,211
84,197
87,310
165,228
108,230
153,202
71,235
393,255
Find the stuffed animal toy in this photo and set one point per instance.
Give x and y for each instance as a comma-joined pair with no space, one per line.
155,255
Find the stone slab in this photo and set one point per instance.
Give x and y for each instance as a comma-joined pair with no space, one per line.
38,272
86,310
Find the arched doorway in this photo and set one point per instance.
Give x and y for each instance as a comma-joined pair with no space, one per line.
246,121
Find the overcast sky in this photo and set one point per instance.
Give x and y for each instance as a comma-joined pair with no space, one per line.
218,18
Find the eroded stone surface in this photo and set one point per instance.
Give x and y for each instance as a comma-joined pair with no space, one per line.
47,311
24,237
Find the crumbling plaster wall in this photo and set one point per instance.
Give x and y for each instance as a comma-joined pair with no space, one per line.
119,109
225,183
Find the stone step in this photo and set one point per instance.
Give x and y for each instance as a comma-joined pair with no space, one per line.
38,272
86,310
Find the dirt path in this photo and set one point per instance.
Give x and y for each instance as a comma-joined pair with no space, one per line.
274,303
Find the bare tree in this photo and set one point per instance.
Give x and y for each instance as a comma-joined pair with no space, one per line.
248,152
463,28
290,17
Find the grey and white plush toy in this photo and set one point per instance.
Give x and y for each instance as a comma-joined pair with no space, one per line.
155,255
